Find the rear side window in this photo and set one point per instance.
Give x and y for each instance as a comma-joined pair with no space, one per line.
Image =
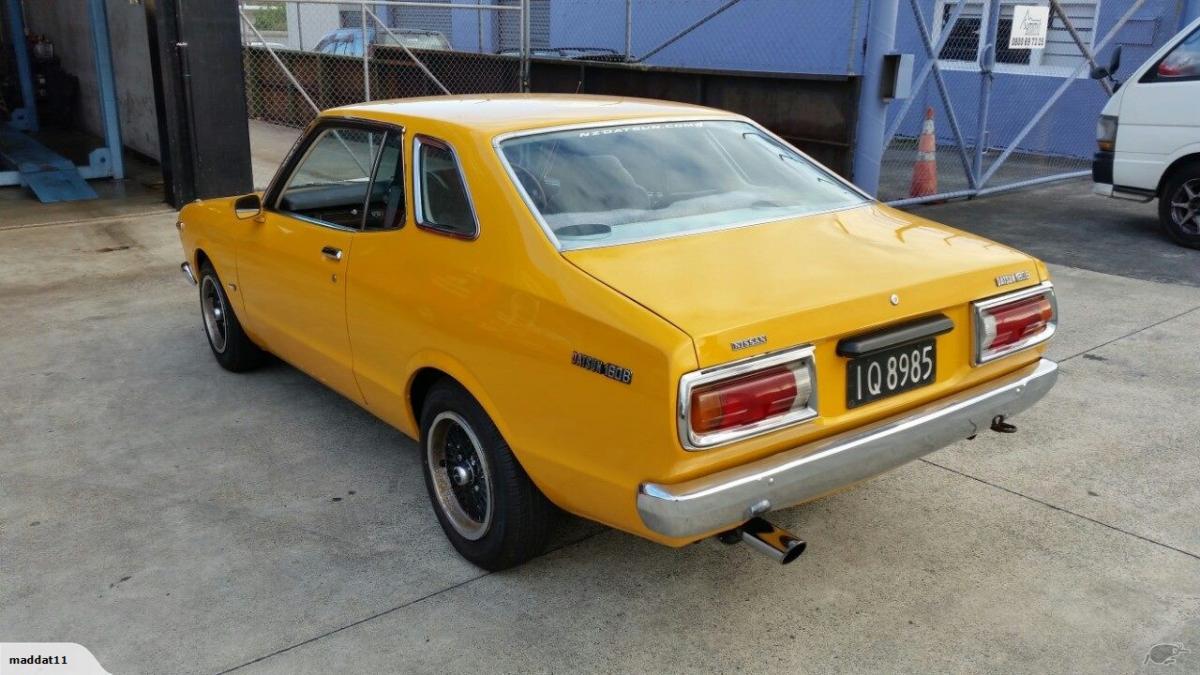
442,201
1183,62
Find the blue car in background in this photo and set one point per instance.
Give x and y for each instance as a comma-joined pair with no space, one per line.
349,41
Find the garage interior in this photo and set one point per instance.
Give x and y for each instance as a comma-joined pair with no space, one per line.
100,102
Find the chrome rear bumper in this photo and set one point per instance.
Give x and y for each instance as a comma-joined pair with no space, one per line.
726,499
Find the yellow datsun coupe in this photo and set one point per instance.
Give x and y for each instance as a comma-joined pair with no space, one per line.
657,316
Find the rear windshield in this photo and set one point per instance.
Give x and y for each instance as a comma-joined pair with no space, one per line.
621,184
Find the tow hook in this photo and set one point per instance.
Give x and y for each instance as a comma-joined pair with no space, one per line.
775,542
1002,427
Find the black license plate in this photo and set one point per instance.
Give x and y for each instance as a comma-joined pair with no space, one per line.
890,371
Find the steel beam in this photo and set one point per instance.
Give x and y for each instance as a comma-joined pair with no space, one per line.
107,84
925,71
988,40
870,142
943,91
708,17
23,118
1083,48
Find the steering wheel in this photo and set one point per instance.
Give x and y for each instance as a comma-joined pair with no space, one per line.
533,186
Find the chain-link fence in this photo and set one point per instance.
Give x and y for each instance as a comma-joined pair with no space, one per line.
302,56
1008,111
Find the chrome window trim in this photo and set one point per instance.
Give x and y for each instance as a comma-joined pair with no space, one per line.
403,215
419,198
692,441
1045,288
512,176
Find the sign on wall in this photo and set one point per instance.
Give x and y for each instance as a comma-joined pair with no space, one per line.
1029,26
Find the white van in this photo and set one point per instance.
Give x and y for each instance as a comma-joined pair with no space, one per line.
1149,136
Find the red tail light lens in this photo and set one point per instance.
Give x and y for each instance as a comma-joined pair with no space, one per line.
1011,323
746,399
743,400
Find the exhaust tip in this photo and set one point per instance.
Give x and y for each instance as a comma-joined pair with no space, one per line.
775,542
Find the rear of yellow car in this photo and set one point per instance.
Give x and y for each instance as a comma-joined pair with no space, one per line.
834,338
815,333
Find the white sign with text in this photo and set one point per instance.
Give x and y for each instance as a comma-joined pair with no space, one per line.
1029,26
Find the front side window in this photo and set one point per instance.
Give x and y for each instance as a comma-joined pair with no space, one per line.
621,184
1183,62
330,183
442,201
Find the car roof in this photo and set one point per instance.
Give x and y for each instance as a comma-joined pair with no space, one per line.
503,113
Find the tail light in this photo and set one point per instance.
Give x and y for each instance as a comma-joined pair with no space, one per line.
747,398
1010,323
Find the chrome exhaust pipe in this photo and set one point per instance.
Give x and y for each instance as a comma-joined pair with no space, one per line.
780,545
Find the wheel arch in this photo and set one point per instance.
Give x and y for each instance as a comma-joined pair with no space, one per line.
1170,171
430,368
199,257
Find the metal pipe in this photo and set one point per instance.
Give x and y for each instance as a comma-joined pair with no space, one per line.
987,65
628,29
362,24
408,51
775,542
1087,53
525,45
107,84
396,3
279,62
870,128
986,192
944,92
676,37
27,120
926,69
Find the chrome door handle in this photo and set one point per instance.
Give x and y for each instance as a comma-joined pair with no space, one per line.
332,253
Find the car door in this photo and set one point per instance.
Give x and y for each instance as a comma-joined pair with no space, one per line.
293,264
413,289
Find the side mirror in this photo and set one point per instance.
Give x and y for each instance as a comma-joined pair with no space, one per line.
248,206
1101,72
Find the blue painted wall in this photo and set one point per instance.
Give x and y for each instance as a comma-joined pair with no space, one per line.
819,37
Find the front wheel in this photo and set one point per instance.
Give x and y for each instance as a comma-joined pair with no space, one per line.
1179,206
230,344
488,507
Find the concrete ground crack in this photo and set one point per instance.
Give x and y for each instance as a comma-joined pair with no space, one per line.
1129,334
1063,510
392,610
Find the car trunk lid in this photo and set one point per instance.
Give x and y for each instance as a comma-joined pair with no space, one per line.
742,291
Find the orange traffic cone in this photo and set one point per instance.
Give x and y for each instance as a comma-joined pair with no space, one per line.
924,179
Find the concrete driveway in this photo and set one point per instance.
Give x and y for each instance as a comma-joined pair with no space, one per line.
173,517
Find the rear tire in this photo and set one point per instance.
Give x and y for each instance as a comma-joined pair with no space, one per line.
229,343
1179,205
488,507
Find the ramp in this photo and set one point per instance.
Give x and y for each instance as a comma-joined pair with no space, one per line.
51,177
